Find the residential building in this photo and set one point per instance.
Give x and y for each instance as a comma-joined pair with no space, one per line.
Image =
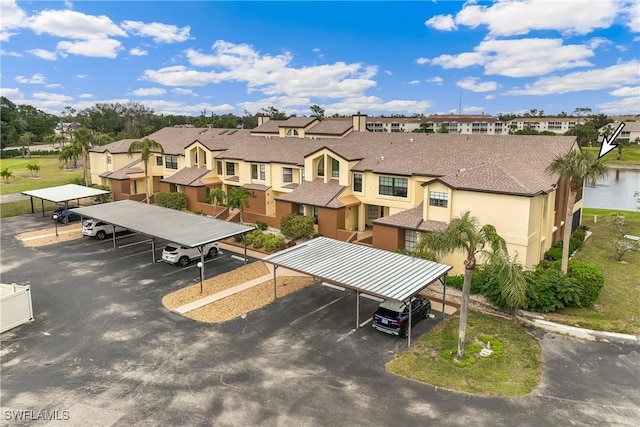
377,188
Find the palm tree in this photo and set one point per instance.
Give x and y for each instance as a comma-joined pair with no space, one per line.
84,139
146,147
465,234
238,198
6,174
574,167
217,197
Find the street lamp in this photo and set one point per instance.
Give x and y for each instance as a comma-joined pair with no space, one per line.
200,265
55,220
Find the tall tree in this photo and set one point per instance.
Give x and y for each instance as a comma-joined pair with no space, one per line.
26,139
317,112
465,234
574,167
146,147
84,139
217,197
238,198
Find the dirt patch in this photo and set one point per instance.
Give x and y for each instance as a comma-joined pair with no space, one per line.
47,236
238,304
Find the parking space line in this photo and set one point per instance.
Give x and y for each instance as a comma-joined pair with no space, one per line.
135,254
134,243
366,321
321,308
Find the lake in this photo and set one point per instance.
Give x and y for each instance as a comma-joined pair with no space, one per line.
616,191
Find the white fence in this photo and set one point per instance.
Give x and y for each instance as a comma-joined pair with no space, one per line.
15,306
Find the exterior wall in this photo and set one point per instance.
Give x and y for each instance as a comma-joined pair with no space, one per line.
285,208
195,195
389,238
329,221
437,213
120,189
257,203
311,167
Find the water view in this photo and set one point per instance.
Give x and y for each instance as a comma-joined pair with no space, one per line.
616,191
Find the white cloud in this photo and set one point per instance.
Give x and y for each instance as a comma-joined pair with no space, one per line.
10,53
514,17
73,25
437,80
388,73
632,13
82,76
604,78
97,48
181,91
489,97
414,82
49,101
136,51
149,91
441,22
520,58
422,60
13,17
35,79
11,93
160,33
44,54
53,85
85,96
620,106
472,84
626,91
270,75
472,109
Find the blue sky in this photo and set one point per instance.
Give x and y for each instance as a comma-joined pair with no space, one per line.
385,57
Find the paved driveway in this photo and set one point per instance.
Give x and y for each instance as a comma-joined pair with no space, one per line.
103,351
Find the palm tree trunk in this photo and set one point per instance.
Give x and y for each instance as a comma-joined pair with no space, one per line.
146,180
566,235
464,311
85,166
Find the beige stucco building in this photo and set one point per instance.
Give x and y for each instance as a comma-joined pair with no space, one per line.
375,188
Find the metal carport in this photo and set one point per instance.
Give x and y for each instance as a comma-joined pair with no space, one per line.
62,194
184,228
366,270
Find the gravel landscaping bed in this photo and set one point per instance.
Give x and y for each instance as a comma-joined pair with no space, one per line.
47,236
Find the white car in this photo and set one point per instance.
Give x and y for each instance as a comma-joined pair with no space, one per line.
99,229
173,253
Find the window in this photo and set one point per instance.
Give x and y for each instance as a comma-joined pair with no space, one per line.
374,211
389,186
262,173
410,240
395,127
335,168
554,126
301,175
375,127
439,199
321,167
254,171
357,182
219,167
171,162
159,161
108,160
287,175
315,214
292,132
231,168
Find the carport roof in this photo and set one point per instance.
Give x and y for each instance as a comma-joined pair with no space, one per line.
64,193
184,228
372,271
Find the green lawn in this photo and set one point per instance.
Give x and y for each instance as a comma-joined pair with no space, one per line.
618,308
630,155
51,174
515,372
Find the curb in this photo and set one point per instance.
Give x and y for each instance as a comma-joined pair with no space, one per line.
535,320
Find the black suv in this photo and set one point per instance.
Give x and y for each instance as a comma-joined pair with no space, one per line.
392,316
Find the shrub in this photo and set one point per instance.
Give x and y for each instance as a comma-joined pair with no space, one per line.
261,225
588,279
7,154
252,235
551,290
173,200
238,238
297,226
553,254
273,242
260,239
456,281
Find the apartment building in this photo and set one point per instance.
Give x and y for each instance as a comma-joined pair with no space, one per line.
378,188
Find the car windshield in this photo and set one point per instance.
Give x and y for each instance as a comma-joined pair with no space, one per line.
170,248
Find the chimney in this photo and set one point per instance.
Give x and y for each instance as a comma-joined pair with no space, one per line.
359,122
262,119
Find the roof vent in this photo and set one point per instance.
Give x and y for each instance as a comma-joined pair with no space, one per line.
410,139
462,170
381,157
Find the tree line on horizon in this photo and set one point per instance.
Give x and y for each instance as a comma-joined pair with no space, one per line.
22,125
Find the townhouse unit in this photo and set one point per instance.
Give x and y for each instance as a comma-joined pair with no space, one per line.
482,124
377,188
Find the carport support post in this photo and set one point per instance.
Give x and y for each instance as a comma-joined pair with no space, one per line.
409,334
114,238
275,268
201,249
153,250
42,202
32,210
357,309
244,240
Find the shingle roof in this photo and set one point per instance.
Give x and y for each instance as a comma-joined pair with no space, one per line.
124,172
272,126
330,127
316,193
187,176
411,219
258,187
297,122
116,147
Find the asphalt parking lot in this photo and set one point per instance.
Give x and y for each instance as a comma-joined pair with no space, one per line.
103,351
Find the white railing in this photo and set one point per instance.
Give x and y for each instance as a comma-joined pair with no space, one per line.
15,306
